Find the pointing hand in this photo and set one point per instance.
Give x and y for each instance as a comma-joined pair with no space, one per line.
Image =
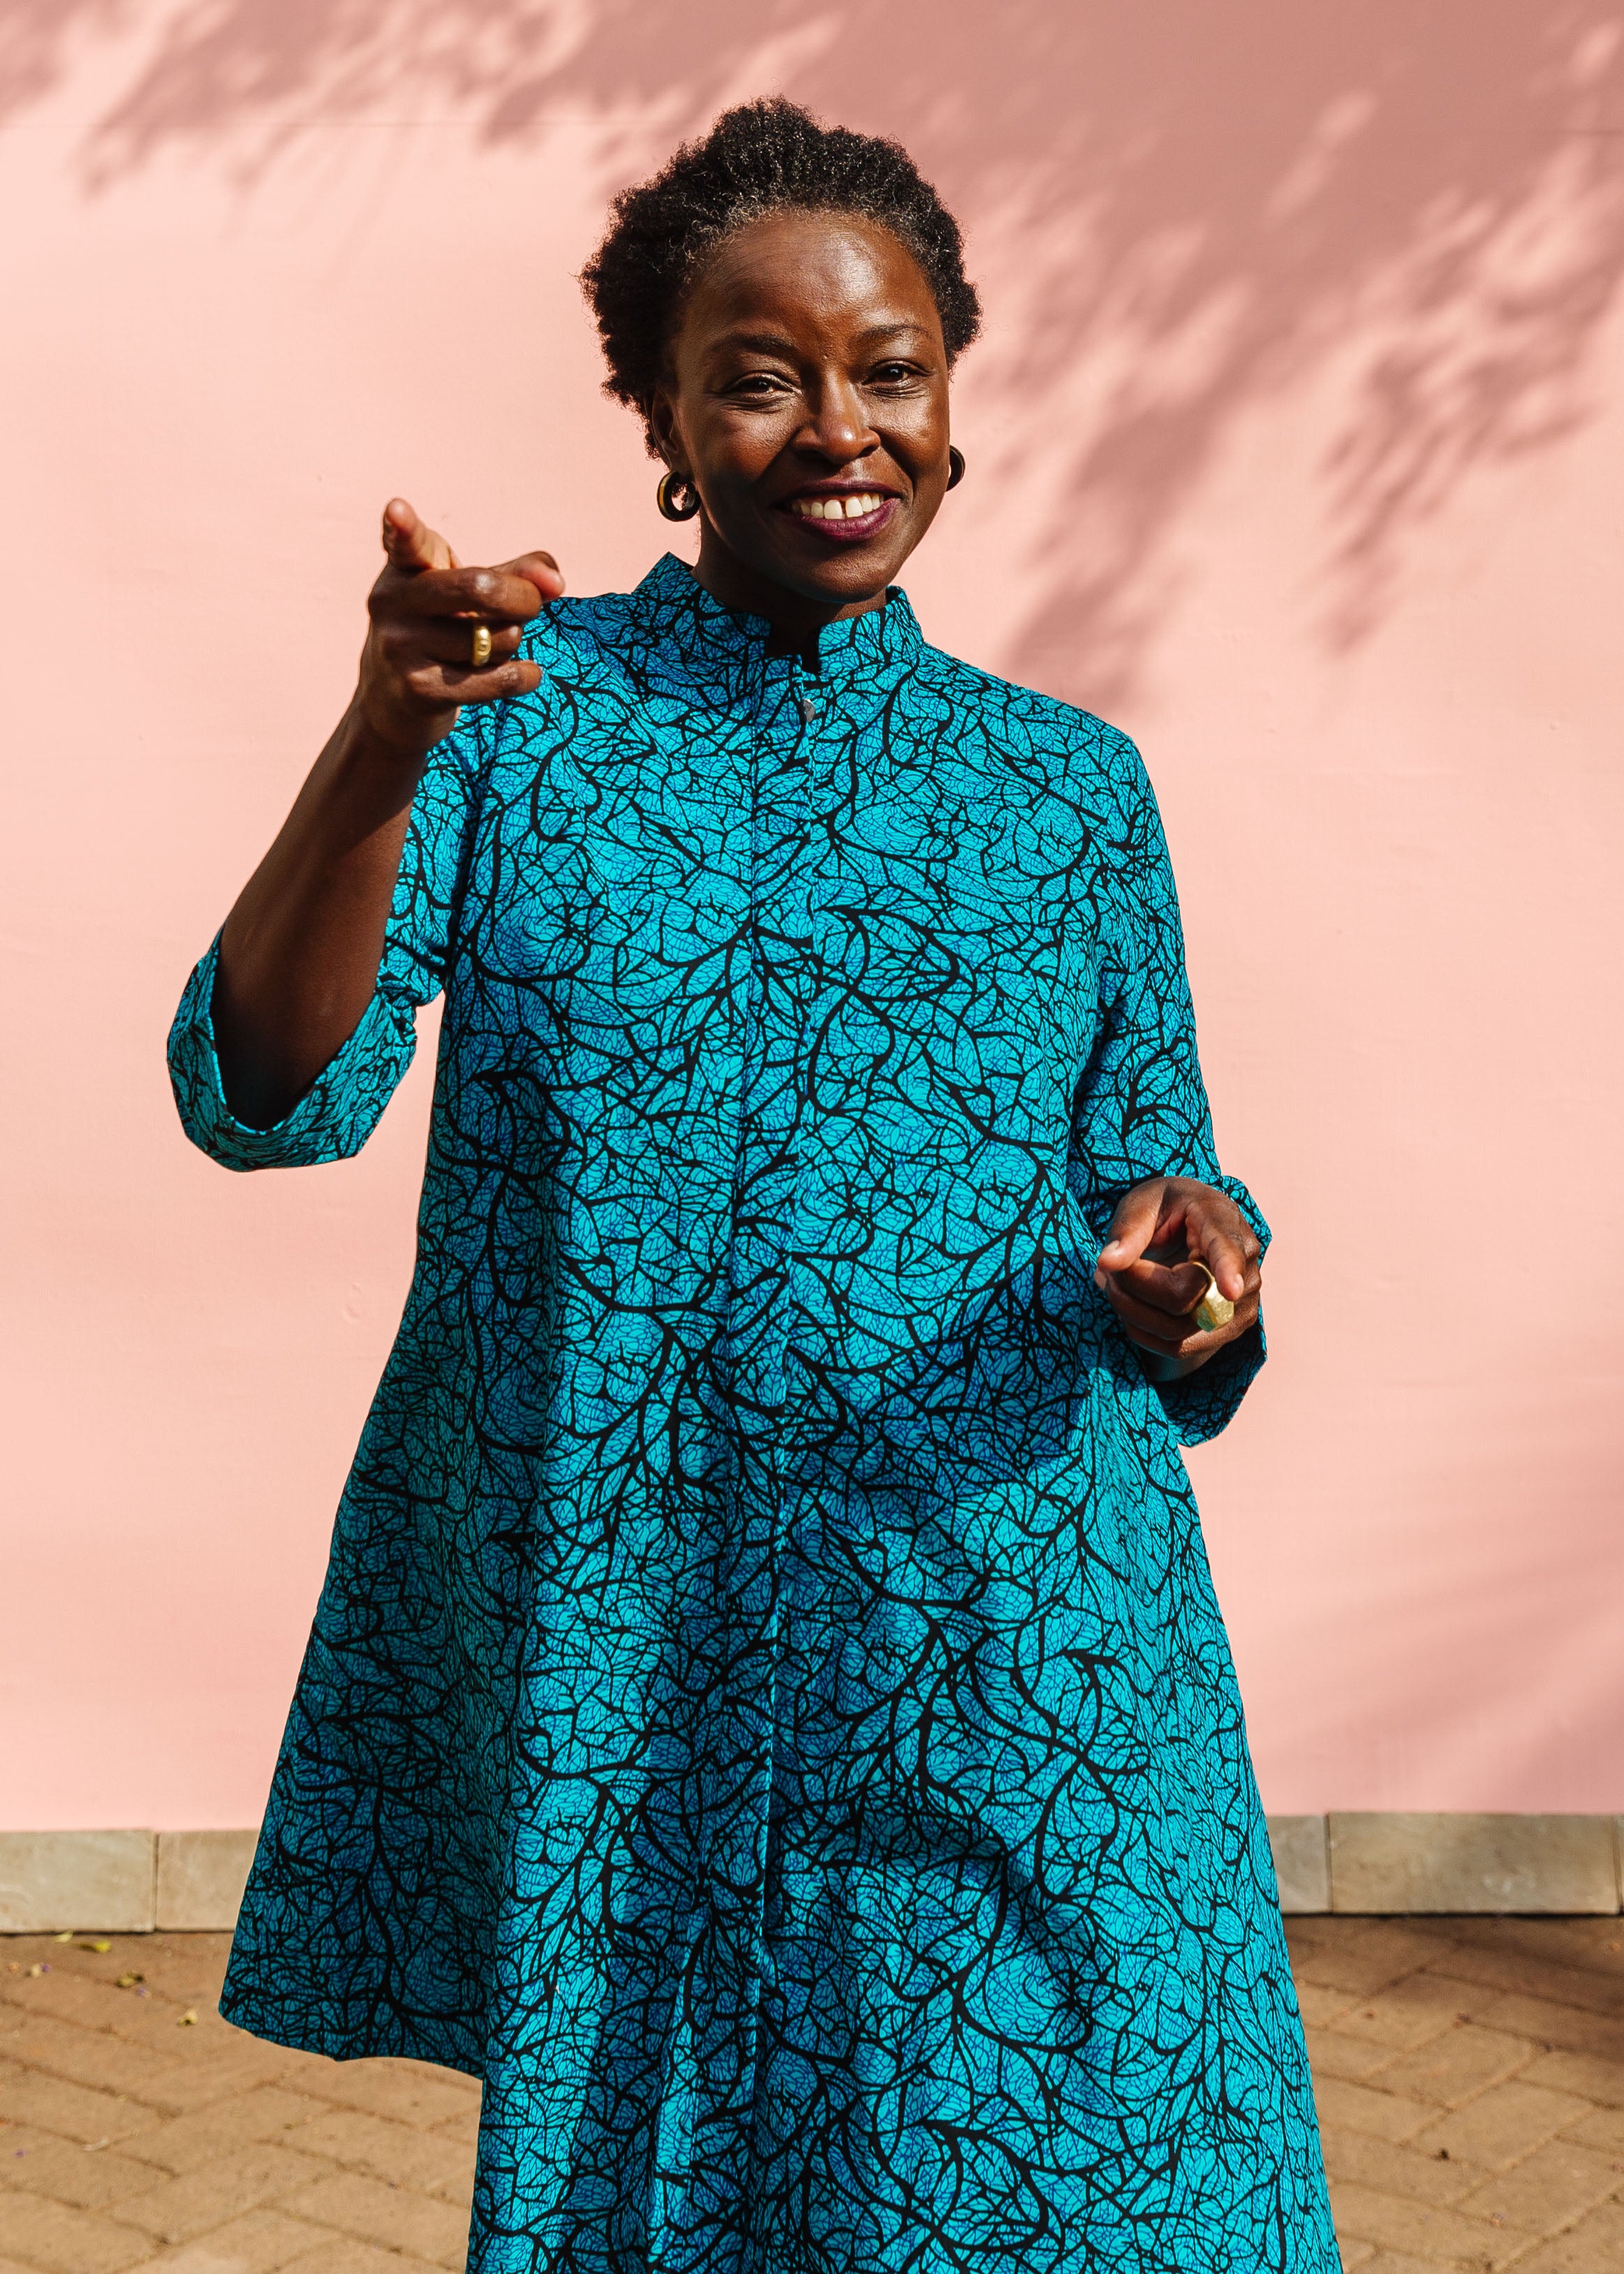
431,619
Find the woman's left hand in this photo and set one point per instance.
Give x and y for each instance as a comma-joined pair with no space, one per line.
1148,1269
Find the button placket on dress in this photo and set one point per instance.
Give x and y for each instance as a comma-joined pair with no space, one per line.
771,1092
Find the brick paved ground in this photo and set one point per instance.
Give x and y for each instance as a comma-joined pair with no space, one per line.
1471,2076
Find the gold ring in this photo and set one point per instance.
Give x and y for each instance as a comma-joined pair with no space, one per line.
482,646
1212,1310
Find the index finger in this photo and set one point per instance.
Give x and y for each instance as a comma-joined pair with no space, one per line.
498,596
1172,1288
538,568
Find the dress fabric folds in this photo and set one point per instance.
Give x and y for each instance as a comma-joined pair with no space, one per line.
767,1714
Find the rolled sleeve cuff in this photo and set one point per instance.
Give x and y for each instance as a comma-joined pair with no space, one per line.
332,1120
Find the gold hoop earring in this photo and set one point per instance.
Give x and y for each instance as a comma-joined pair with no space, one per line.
955,467
676,497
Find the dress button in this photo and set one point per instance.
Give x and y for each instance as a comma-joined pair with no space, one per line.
809,709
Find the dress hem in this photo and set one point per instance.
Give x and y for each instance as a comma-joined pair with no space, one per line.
335,2045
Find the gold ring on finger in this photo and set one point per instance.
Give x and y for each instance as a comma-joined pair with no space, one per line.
1212,1310
482,646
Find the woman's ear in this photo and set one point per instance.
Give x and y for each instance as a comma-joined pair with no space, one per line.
665,440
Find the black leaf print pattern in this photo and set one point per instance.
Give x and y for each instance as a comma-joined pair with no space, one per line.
768,1714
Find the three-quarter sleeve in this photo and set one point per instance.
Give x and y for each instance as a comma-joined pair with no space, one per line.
341,1109
1141,1107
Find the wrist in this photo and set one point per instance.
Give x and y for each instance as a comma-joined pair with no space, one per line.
364,779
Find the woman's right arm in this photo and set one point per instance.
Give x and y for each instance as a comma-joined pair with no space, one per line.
299,954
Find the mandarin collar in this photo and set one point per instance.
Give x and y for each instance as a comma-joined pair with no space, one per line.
723,652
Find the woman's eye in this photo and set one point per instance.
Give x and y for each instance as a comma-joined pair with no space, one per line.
890,374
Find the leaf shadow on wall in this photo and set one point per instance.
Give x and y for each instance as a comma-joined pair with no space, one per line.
1183,212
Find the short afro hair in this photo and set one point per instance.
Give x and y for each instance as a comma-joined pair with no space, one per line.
761,158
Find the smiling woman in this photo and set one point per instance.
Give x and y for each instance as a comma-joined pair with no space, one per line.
767,1715
782,280
819,330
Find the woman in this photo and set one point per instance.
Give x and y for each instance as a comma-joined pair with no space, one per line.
767,1715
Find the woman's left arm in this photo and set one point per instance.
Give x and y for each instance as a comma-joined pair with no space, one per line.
1143,1162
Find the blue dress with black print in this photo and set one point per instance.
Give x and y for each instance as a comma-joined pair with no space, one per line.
768,1716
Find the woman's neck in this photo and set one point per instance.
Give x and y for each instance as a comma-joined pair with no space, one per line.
796,620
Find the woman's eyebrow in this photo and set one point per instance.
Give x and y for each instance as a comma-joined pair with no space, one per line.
779,344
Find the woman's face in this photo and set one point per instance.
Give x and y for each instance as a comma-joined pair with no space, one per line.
808,405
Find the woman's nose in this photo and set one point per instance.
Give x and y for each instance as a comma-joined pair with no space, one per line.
837,425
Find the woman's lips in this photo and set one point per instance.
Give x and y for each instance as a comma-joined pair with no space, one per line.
849,519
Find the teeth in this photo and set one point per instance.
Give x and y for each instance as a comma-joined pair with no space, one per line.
834,508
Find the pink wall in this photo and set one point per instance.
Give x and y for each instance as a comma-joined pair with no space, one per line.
1296,445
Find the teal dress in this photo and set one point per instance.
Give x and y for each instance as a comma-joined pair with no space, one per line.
767,1715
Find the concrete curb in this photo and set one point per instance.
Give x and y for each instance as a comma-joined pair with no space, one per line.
122,1882
132,1882
1397,1865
